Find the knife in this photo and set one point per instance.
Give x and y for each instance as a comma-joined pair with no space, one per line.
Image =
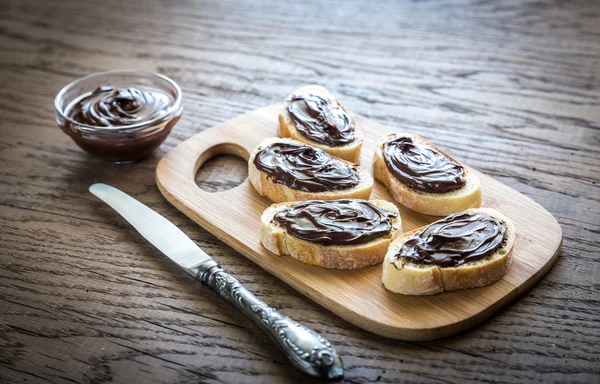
308,351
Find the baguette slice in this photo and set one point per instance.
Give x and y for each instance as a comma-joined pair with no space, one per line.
276,239
287,128
405,277
276,192
436,204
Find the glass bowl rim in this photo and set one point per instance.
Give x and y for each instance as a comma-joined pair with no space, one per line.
172,109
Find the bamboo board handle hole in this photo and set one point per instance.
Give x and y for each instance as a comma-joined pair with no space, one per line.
206,176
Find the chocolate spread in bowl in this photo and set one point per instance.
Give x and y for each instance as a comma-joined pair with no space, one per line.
110,107
120,124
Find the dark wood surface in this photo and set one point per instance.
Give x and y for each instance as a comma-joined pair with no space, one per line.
511,88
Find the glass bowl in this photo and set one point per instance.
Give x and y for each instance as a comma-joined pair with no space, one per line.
126,142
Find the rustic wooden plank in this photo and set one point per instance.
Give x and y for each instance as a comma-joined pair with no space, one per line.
511,88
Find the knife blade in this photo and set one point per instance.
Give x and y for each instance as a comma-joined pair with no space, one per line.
308,351
160,232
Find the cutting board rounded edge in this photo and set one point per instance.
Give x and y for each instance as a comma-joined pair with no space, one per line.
365,322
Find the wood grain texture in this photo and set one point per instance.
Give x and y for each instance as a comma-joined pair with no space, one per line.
357,295
511,88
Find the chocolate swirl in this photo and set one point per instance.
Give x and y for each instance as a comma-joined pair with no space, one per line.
336,222
455,240
422,167
109,107
321,120
305,168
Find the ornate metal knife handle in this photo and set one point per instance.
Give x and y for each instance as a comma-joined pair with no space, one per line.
305,349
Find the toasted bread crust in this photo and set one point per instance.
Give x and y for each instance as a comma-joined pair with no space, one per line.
287,128
263,184
277,240
404,277
436,204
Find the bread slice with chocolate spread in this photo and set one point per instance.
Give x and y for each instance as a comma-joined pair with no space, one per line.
343,234
314,116
465,250
423,178
289,170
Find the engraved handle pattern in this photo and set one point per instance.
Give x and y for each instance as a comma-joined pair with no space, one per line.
305,349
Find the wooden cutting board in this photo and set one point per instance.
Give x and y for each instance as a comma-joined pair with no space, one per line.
356,295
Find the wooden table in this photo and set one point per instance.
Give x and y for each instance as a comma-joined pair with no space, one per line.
511,88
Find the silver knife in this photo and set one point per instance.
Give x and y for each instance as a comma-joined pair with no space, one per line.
308,351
